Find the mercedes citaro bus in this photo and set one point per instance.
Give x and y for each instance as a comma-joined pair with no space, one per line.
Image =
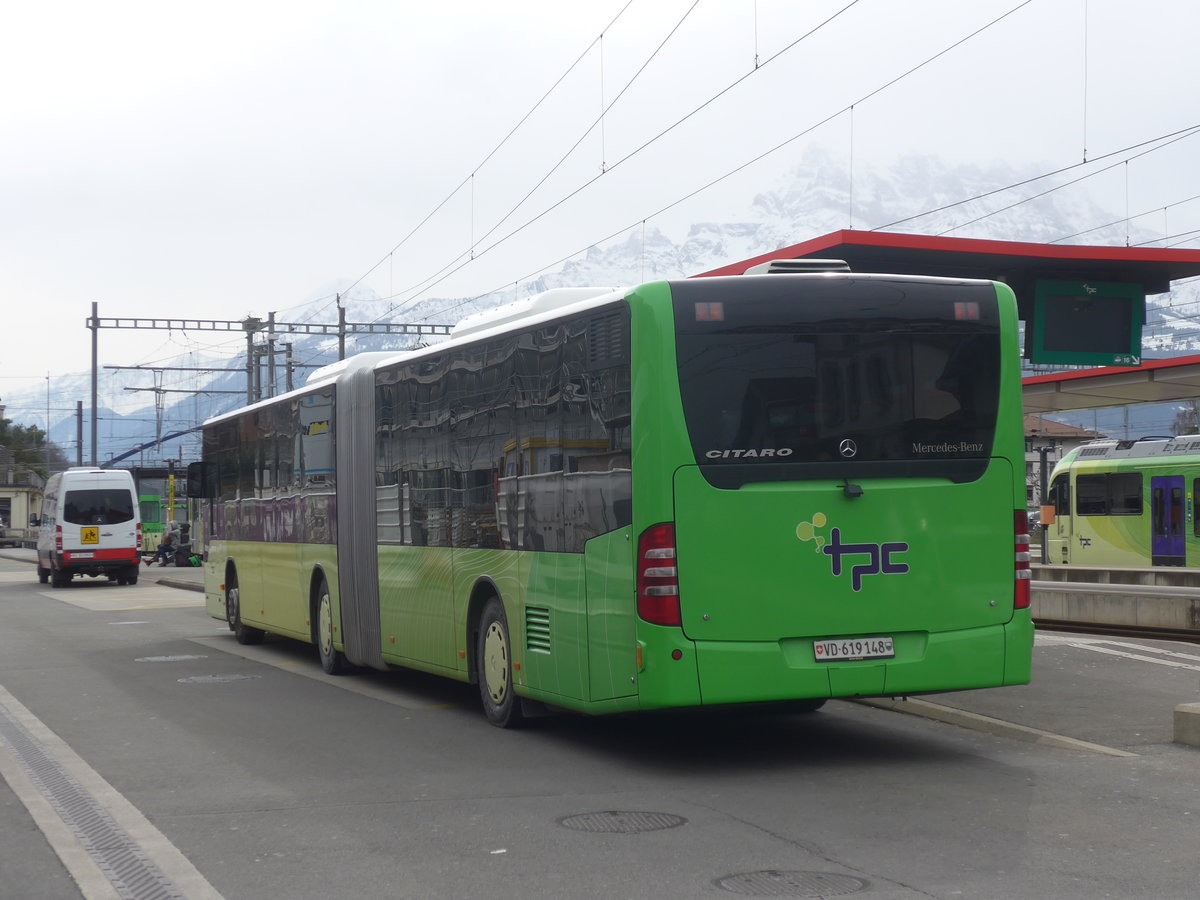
711,491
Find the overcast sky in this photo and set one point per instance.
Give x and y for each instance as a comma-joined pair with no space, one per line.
225,159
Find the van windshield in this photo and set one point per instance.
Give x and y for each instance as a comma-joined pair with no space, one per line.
106,506
852,377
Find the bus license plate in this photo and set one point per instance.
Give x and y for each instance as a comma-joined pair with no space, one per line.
83,555
854,648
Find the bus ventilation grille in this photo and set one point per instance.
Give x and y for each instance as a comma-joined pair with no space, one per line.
606,340
537,629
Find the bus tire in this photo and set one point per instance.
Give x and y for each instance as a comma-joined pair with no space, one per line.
59,578
493,663
244,634
333,661
43,575
131,574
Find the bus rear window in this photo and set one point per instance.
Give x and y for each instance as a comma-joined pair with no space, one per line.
786,377
106,506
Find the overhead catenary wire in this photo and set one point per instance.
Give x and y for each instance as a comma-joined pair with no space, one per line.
1135,216
1118,163
644,218
455,268
1190,129
404,240
470,254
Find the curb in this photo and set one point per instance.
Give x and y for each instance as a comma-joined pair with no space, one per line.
182,585
999,727
1187,724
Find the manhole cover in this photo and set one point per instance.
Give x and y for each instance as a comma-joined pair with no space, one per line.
613,822
180,658
215,679
774,883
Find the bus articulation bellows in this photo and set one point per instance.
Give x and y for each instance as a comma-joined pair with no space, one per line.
770,487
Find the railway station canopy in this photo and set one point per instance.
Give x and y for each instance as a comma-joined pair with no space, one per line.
1036,272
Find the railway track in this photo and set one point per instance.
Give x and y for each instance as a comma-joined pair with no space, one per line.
1157,634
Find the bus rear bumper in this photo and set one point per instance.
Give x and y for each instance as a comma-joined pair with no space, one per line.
742,672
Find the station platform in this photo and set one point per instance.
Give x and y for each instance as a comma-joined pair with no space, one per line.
1090,693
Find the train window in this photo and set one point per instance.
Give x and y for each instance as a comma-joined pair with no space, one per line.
1195,519
1060,494
1091,495
1125,494
1159,511
1113,494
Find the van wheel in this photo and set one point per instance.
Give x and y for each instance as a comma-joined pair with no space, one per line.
43,575
131,574
244,634
493,663
59,578
333,661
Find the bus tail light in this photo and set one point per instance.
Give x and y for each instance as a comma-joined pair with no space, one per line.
1022,573
658,576
58,538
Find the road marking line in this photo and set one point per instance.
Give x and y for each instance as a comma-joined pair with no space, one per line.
43,750
1101,645
998,727
392,694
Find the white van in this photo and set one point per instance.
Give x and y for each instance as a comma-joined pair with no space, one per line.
90,526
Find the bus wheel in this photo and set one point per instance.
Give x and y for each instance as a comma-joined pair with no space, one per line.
333,661
244,634
58,578
493,663
43,575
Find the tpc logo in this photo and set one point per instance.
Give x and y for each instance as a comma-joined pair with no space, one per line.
879,556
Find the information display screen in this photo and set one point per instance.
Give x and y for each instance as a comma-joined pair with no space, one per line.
1091,323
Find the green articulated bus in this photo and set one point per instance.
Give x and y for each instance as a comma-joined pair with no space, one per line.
1126,503
711,491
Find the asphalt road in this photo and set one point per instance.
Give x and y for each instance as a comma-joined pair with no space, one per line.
226,771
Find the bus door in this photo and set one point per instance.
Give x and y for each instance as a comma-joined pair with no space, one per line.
1166,520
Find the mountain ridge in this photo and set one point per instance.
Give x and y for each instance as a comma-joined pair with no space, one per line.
817,197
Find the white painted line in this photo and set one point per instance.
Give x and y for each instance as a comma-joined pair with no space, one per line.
91,880
1170,658
998,727
271,656
79,864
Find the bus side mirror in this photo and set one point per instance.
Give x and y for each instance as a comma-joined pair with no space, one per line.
195,480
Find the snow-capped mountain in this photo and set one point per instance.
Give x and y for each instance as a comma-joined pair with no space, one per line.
817,197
